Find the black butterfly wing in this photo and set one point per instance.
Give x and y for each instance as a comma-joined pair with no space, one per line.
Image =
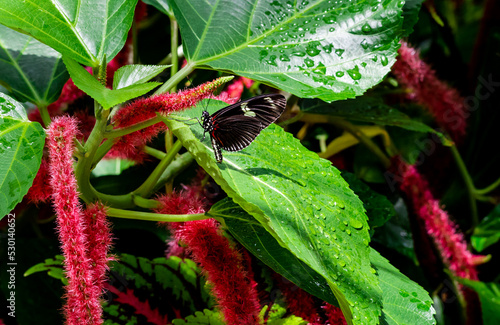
234,127
236,133
264,109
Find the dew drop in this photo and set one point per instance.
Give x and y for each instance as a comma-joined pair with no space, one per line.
339,52
284,57
366,28
339,73
354,73
298,53
309,62
356,224
384,60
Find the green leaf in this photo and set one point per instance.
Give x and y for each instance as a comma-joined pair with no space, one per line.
161,5
290,320
21,149
296,195
111,167
396,233
365,109
175,284
32,71
404,301
489,295
207,317
53,267
411,9
378,208
316,49
85,31
135,74
487,232
264,246
104,96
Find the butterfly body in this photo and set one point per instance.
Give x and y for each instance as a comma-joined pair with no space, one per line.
234,127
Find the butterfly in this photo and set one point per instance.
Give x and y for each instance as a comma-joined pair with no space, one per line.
234,127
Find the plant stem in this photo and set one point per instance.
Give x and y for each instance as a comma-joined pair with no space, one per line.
489,188
44,114
84,165
158,154
129,129
145,189
174,80
468,183
148,216
354,130
174,42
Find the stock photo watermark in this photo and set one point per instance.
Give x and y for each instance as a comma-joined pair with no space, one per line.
11,265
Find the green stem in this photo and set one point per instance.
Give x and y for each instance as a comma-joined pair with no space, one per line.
158,154
358,134
148,216
146,188
174,80
44,114
174,42
468,183
84,165
489,188
129,129
175,168
168,59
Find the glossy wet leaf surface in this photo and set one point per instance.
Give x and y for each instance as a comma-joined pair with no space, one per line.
32,71
303,203
83,30
328,49
403,301
21,148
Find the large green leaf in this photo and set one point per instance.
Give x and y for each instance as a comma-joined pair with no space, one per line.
378,208
404,301
32,71
104,96
296,196
83,30
411,10
312,48
21,148
135,74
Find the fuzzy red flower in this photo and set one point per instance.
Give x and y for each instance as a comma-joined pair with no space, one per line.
299,302
99,242
441,228
444,102
39,192
145,109
222,264
334,314
83,306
